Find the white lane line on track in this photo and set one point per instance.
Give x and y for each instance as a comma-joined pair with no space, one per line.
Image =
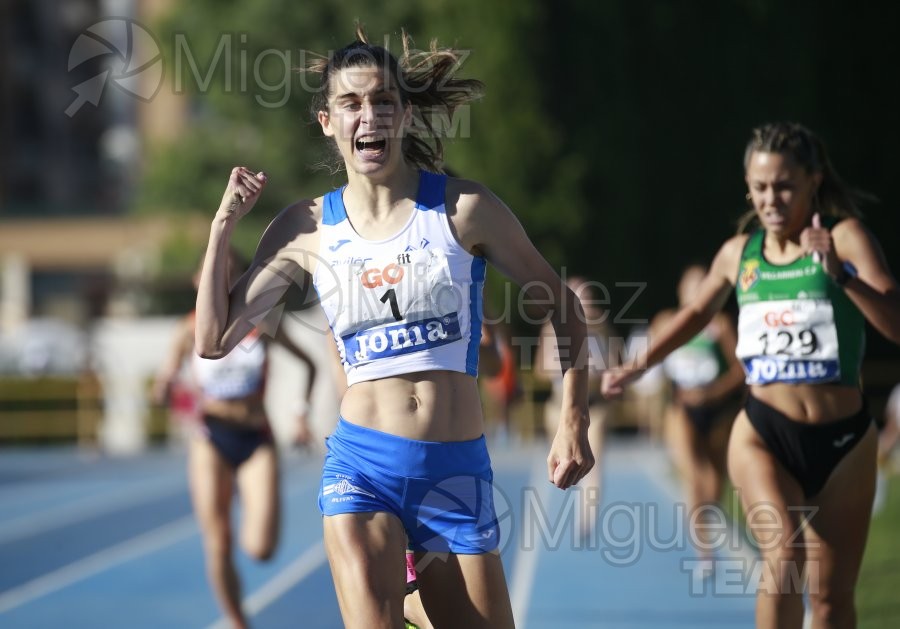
107,558
522,578
90,507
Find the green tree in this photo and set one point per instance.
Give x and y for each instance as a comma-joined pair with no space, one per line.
245,112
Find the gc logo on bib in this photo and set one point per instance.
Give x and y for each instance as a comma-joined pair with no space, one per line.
791,341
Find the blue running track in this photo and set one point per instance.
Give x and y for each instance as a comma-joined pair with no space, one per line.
88,541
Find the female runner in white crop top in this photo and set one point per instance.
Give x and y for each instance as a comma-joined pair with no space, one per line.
412,310
231,444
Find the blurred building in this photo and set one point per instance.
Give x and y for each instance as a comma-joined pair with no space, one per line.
80,103
52,164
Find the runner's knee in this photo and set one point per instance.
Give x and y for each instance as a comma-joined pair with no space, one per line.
258,547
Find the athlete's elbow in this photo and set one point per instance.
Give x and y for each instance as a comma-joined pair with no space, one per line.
206,348
209,355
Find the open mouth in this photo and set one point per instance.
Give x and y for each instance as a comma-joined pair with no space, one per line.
370,145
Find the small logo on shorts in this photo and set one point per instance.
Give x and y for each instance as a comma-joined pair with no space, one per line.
343,487
483,515
840,443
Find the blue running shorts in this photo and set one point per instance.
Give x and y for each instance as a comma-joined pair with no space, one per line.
441,491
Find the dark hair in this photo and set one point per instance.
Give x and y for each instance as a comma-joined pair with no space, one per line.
833,197
425,80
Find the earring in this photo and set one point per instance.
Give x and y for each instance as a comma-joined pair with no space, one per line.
748,197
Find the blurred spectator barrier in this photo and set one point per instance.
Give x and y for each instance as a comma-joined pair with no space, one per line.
50,408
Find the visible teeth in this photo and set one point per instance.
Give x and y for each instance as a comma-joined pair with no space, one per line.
368,142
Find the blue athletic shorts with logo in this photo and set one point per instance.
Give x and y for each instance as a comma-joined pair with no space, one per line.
441,491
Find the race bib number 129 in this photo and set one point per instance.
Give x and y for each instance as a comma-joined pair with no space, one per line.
792,341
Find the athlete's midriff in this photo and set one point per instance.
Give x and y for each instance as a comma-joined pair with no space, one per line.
426,406
248,412
810,403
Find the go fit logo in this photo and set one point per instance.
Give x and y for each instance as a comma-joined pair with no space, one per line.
391,274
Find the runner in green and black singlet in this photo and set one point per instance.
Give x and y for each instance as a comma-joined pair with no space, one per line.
803,450
796,324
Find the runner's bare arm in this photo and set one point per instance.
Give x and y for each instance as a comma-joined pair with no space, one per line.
486,226
285,255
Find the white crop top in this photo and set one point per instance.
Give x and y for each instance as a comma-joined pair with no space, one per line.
238,374
409,303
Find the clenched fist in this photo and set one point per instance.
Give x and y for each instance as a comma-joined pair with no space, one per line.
242,192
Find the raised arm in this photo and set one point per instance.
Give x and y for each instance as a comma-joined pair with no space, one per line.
485,226
227,312
874,290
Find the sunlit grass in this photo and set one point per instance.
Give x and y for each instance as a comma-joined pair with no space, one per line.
877,602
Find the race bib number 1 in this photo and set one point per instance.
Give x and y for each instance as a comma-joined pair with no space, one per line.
398,306
792,341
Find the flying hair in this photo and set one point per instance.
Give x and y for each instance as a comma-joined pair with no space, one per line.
426,80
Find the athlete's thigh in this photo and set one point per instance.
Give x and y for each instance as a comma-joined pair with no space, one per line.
211,482
771,498
258,487
838,529
367,555
464,590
